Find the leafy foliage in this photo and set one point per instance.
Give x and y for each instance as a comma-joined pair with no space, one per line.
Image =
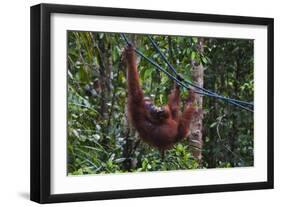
100,139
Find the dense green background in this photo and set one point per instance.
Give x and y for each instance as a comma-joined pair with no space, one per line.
99,138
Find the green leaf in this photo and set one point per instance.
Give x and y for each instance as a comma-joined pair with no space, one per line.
204,60
193,55
195,39
213,124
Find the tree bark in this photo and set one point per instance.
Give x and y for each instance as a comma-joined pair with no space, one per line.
195,137
131,142
104,57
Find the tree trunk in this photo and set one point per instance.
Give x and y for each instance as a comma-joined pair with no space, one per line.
104,56
195,137
131,142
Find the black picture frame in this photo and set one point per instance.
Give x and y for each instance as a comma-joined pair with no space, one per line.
41,96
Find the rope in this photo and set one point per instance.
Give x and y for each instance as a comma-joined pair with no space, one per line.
162,55
189,82
183,84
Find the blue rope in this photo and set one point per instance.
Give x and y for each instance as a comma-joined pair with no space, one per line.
178,81
162,55
189,82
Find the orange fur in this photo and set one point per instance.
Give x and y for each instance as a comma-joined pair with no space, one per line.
161,128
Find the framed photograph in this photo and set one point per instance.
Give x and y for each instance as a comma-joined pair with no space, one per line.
133,103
